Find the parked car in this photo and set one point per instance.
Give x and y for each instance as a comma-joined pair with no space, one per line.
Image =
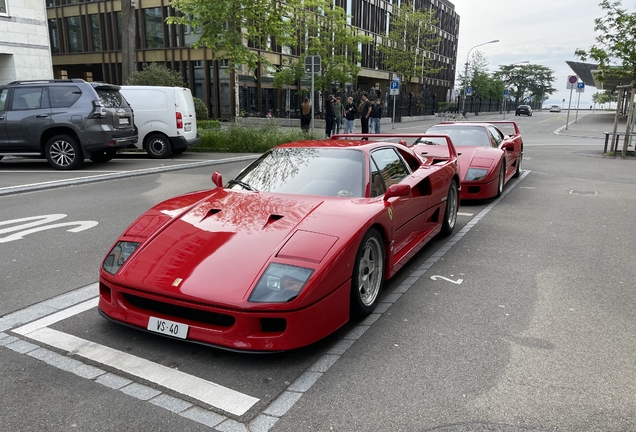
555,108
65,121
488,158
523,110
282,255
165,119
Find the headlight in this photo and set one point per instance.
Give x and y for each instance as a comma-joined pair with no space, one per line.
280,283
118,256
476,174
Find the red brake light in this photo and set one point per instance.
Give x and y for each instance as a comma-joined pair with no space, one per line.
179,121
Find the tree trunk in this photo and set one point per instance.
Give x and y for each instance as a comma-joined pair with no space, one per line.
128,23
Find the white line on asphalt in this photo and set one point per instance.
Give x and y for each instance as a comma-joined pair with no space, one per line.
58,316
464,214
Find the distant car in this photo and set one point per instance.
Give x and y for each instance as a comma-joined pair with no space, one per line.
488,158
282,255
555,108
523,110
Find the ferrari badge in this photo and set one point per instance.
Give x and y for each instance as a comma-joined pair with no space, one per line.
177,282
390,210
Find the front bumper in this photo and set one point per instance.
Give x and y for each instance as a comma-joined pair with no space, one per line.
472,190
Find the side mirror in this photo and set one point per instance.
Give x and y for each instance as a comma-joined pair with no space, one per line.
397,190
217,179
403,142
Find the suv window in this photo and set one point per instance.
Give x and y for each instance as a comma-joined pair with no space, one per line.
3,98
111,98
64,96
27,98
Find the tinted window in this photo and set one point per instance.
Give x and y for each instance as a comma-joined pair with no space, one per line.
64,97
377,184
27,98
496,135
111,98
391,166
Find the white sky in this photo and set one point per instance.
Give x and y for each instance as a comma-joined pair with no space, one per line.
545,32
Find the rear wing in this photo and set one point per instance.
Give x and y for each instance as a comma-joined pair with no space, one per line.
504,125
443,142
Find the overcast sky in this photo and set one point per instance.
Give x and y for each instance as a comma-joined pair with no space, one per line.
544,32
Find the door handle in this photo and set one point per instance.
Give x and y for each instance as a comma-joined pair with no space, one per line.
1,117
41,115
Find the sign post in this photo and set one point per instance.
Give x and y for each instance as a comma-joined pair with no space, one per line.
572,84
506,96
312,65
394,91
580,88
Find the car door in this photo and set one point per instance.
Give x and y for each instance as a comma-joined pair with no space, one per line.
4,99
499,141
28,117
407,213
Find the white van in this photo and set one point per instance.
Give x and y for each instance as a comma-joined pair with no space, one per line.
165,119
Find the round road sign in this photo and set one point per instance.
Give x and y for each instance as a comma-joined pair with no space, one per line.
572,79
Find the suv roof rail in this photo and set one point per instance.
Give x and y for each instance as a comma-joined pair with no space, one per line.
45,81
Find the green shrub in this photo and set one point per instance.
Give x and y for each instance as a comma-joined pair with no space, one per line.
238,139
208,124
200,109
154,74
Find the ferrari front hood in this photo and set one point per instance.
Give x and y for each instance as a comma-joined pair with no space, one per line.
475,157
216,250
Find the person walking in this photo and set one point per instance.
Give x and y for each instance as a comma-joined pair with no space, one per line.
365,112
376,116
330,115
305,115
339,112
350,111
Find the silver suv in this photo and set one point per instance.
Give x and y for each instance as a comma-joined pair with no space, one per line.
65,121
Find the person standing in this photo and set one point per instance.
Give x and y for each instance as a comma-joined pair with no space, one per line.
339,111
329,115
365,112
376,116
350,111
305,115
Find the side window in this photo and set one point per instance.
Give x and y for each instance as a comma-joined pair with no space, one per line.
3,98
377,184
391,166
496,135
27,98
64,96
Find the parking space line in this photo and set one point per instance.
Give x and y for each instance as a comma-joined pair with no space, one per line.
58,316
465,214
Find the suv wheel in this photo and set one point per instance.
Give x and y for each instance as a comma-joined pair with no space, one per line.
102,156
63,152
158,146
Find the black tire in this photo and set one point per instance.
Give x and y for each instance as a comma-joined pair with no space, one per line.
1,156
368,274
103,156
519,165
64,152
178,151
452,205
158,146
501,179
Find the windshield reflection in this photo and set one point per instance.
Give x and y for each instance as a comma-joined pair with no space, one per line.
309,171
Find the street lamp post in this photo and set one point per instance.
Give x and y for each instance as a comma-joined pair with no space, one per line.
466,70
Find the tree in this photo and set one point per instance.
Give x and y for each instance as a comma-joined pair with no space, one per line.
527,82
615,50
413,35
479,79
154,74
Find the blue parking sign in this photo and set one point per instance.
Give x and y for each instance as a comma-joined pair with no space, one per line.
469,91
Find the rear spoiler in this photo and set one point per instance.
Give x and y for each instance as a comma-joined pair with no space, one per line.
354,136
494,122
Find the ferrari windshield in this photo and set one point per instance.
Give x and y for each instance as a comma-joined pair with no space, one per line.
464,135
310,171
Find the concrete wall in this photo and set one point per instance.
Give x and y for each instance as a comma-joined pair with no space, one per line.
25,52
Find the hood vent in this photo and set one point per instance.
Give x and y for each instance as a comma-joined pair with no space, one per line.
272,218
210,212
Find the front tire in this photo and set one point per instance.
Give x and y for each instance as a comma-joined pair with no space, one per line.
63,152
450,215
501,180
158,146
368,274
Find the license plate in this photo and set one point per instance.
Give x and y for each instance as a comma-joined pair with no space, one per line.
124,121
167,327
188,127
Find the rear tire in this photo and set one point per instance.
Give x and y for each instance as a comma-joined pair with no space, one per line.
368,274
158,146
64,152
103,156
519,166
450,215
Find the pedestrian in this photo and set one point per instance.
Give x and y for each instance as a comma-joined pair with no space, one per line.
350,111
376,116
305,115
329,115
339,112
365,112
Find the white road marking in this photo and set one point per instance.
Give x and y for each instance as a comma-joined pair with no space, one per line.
456,282
58,316
464,214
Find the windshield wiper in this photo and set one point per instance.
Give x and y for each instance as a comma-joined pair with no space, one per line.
241,184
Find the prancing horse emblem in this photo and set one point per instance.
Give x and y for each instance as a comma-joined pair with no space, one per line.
177,282
390,210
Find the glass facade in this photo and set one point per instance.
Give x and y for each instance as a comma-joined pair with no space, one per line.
96,34
153,23
3,6
74,32
53,36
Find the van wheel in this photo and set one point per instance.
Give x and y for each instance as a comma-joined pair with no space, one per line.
158,146
63,152
102,156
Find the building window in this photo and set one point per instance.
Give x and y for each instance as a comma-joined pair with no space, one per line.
74,32
96,35
3,7
154,28
53,35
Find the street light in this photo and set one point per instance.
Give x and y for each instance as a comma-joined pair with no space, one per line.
466,72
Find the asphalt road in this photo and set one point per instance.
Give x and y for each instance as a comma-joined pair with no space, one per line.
522,321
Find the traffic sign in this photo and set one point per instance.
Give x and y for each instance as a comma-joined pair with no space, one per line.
580,87
469,91
312,64
506,94
394,88
572,80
